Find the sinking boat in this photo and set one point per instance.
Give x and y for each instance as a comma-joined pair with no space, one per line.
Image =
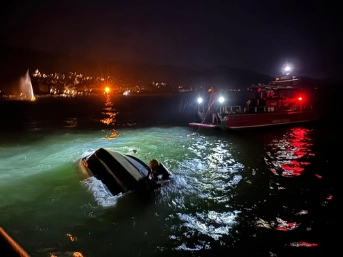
120,173
280,102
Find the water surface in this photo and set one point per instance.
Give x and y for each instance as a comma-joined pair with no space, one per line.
265,192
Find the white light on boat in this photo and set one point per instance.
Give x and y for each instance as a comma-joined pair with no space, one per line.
288,70
200,100
221,99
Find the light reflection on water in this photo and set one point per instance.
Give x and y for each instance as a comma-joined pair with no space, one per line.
228,191
211,173
288,155
194,203
293,186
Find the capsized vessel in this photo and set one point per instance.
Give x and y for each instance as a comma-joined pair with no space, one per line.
119,172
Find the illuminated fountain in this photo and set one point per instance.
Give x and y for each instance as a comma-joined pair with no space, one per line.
26,90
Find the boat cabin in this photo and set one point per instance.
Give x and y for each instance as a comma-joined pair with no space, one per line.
282,101
279,95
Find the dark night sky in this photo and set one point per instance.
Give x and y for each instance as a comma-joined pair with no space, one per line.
251,34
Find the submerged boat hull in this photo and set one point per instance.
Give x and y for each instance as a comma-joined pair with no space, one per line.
120,173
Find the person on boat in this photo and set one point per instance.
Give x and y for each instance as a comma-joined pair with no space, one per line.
147,186
213,106
153,181
158,170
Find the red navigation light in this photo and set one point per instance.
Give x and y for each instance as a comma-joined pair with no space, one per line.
300,98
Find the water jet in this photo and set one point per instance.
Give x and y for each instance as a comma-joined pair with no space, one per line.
26,89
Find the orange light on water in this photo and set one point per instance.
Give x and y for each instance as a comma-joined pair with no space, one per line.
107,89
77,254
72,238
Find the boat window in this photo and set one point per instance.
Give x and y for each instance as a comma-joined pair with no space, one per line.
272,93
289,93
252,94
263,94
255,93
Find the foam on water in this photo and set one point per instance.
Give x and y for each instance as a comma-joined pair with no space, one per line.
100,192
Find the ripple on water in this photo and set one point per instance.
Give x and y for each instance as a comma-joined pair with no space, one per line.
295,189
200,194
101,194
288,155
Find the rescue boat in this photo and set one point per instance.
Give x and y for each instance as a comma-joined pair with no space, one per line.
282,101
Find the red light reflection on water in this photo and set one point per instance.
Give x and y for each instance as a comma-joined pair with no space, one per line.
288,156
286,226
288,153
304,244
318,176
291,168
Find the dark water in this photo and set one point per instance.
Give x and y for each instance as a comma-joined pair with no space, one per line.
264,192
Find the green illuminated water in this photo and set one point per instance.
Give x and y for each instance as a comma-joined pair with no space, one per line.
253,193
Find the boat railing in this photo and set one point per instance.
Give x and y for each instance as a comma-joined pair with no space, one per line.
236,109
226,110
260,109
